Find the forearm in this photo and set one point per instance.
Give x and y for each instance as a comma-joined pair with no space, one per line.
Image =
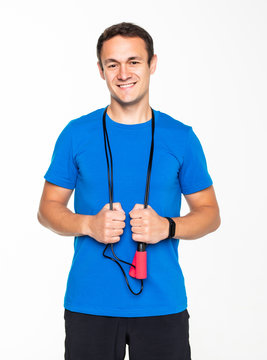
58,218
197,223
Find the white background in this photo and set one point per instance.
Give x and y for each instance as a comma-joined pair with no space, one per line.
211,75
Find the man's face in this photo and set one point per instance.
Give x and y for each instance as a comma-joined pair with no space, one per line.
125,69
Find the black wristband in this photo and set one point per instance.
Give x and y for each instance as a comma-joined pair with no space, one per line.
171,228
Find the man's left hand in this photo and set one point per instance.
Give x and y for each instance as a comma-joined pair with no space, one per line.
147,225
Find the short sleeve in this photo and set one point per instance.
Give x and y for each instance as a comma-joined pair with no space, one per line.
193,174
63,170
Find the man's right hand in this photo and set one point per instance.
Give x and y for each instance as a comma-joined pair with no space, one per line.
107,225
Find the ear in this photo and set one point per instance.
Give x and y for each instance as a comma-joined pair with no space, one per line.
101,71
153,64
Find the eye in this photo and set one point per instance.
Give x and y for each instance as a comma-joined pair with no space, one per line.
134,62
111,66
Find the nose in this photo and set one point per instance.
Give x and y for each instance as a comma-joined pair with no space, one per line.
123,73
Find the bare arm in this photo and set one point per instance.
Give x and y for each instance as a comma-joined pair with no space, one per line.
54,214
105,227
203,218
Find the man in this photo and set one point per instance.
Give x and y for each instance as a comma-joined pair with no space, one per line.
101,314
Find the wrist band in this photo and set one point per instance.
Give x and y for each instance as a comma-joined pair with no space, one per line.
171,228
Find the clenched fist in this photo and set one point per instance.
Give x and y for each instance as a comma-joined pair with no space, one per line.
108,225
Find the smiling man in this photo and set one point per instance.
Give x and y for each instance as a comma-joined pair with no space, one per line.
150,153
127,77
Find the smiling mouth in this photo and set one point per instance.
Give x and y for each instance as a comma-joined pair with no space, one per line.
123,86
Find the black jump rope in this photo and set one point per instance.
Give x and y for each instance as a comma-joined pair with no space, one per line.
140,256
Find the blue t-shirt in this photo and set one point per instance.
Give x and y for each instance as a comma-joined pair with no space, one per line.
96,285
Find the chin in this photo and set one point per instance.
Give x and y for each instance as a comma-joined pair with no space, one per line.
127,102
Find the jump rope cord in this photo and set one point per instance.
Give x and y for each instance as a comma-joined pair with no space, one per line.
110,183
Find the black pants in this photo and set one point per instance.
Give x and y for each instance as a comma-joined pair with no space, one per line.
94,337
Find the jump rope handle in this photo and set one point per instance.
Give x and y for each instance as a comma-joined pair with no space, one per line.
140,262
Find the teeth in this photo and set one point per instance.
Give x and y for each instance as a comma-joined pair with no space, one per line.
127,85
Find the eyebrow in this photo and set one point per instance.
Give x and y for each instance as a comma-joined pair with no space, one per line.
130,58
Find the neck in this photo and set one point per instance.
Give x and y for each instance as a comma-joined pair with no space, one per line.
129,114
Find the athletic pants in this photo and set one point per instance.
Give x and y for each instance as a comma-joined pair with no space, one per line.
94,337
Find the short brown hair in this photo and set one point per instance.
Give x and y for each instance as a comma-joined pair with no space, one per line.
125,29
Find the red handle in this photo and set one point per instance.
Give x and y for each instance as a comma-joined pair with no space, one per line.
140,262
